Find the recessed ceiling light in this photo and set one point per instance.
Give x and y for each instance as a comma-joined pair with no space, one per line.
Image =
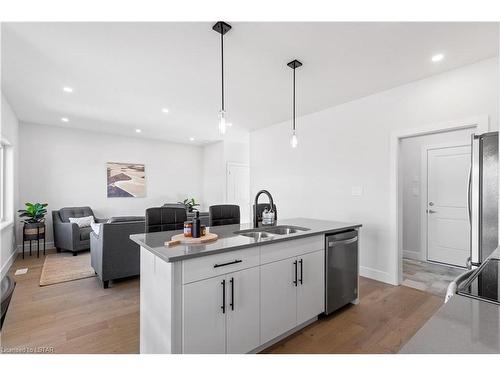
438,57
138,130
67,89
164,110
191,139
64,119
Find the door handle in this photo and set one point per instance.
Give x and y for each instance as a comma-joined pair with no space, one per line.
295,279
431,211
343,242
232,293
301,262
228,263
223,307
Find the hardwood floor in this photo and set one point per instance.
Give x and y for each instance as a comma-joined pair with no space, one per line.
72,317
82,317
384,320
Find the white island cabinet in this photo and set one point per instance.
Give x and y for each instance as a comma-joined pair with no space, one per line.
237,301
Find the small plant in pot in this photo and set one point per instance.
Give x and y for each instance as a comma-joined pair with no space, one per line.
190,204
33,218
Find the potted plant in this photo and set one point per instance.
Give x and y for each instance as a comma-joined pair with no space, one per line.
33,218
189,204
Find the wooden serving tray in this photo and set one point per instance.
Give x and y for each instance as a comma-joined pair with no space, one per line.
179,238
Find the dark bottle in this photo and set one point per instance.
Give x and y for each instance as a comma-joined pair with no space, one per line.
196,229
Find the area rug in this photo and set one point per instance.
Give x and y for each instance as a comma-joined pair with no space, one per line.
63,267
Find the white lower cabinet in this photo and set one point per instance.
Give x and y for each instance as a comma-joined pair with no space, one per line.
203,322
278,299
311,286
292,291
221,314
243,318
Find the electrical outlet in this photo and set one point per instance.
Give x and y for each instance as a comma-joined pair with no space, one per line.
357,191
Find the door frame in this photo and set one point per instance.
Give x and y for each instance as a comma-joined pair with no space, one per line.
424,187
479,123
237,164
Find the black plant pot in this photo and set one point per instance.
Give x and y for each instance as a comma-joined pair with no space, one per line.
34,231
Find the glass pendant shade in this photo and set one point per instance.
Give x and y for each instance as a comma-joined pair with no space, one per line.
222,123
294,141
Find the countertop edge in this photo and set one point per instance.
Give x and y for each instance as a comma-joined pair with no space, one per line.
242,246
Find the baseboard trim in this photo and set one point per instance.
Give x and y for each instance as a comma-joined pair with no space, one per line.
48,245
411,254
375,274
8,264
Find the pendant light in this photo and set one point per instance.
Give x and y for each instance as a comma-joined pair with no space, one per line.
222,28
294,140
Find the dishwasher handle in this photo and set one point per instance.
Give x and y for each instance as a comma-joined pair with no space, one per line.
344,242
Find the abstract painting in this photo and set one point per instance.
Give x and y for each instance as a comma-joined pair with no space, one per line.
126,180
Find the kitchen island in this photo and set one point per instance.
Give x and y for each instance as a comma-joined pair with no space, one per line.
238,294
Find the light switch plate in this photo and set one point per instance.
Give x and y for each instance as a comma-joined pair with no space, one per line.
357,191
21,271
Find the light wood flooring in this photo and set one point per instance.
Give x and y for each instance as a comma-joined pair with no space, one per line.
82,317
430,277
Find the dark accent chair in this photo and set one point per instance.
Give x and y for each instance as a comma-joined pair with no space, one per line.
160,219
68,236
113,255
224,214
204,216
7,289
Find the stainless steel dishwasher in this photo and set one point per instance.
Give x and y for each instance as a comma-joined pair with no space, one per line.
341,271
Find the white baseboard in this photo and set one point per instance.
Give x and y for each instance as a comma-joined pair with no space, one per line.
411,254
48,245
375,274
8,264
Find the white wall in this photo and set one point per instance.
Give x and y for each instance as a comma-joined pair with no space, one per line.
67,167
215,158
9,131
412,192
348,146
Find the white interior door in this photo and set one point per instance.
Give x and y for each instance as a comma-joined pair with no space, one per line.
447,216
238,188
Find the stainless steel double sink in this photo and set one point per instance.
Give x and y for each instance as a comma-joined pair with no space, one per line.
259,234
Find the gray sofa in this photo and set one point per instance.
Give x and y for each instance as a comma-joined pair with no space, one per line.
113,254
68,236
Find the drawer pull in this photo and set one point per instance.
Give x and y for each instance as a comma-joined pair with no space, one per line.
228,263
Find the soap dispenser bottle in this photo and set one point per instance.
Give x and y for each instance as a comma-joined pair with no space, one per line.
196,229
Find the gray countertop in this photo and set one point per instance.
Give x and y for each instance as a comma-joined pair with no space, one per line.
229,241
463,325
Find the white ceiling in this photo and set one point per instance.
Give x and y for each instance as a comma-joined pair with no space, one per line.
124,73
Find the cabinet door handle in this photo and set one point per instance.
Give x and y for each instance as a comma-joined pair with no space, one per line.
295,279
223,307
301,271
228,263
232,293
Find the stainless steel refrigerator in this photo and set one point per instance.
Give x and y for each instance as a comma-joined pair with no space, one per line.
483,197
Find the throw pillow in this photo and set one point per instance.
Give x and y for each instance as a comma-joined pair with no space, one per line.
82,222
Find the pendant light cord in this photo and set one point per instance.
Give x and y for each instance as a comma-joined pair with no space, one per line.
293,100
222,67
